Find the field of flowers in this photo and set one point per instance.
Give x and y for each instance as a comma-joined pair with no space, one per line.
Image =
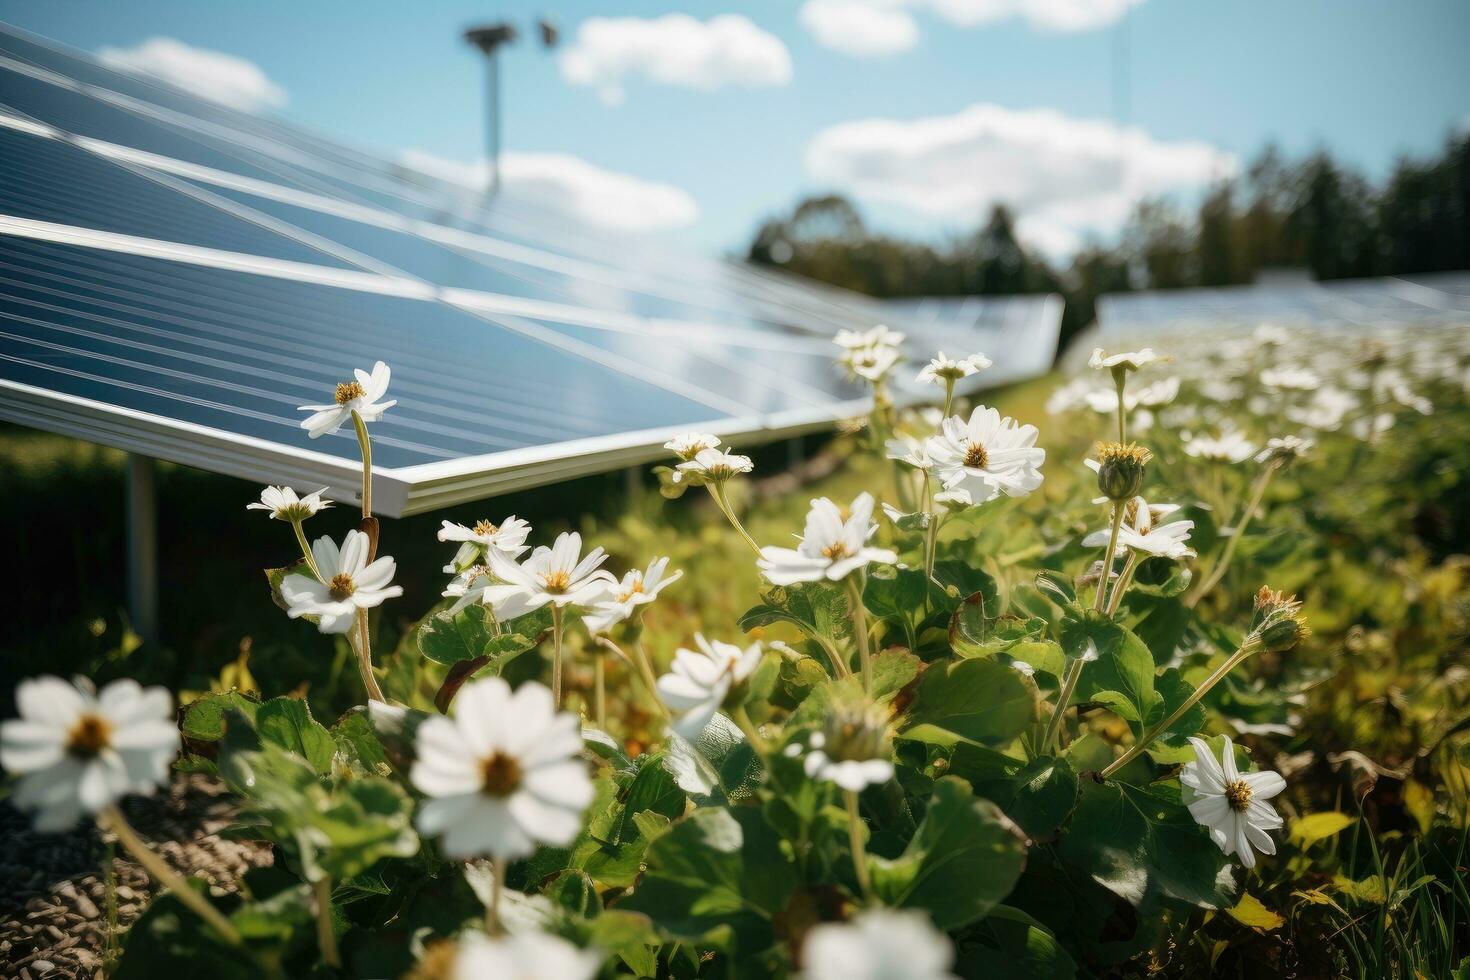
1166,677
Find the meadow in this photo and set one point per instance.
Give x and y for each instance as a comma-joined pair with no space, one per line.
1199,709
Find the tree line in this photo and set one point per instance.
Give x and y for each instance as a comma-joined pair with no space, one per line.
1311,213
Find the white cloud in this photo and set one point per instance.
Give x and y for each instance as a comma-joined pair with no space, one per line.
1063,177
212,75
570,186
674,49
860,27
879,27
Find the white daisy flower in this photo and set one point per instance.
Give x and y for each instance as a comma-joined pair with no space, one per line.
879,336
523,955
712,466
1230,446
348,583
77,752
1139,531
1130,361
878,944
943,370
1231,804
502,775
908,451
833,546
852,749
987,455
283,504
360,396
1326,411
690,444
1072,395
1270,335
871,363
1291,379
699,681
955,500
508,536
1284,449
558,576
636,589
1162,392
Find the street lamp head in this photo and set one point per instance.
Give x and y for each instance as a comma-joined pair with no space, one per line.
491,36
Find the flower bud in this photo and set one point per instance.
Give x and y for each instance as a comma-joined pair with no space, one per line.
1277,624
1120,469
1282,635
855,732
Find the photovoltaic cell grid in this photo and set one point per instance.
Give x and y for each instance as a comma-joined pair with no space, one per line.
176,277
1018,333
1430,299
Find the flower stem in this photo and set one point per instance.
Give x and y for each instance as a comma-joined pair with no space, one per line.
326,938
948,396
306,549
1120,381
855,840
860,630
497,885
741,717
556,621
717,491
1223,564
1119,509
364,651
1143,743
1125,579
645,667
599,698
112,819
366,446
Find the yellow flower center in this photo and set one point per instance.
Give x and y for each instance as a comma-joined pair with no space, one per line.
1238,795
501,775
556,581
347,391
837,551
341,586
634,588
89,736
976,457
485,528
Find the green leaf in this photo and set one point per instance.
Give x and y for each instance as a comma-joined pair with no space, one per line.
963,859
1135,841
968,582
1161,577
287,722
204,718
720,872
1123,666
448,639
1046,792
1172,745
1017,947
893,670
1043,655
719,765
653,789
275,576
1057,587
818,609
976,700
899,598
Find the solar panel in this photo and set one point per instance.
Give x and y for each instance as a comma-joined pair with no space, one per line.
1018,333
1390,301
177,276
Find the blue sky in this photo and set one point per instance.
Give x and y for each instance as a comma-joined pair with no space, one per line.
1210,84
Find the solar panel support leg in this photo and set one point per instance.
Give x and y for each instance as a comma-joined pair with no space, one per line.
142,547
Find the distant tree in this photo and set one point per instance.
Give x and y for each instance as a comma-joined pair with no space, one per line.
1219,251
1333,221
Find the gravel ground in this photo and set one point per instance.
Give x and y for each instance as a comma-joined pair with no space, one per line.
53,894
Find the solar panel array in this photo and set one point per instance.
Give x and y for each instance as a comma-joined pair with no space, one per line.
177,276
1018,333
1393,301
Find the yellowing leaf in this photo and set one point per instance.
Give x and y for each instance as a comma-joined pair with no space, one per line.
1419,801
1318,826
1250,912
1370,889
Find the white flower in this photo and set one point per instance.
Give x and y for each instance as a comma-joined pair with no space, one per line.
284,505
1162,392
712,466
1072,395
1131,361
636,589
1229,447
871,363
558,575
943,370
833,545
509,536
1270,335
879,336
348,583
908,451
1284,449
987,455
1231,804
1290,379
955,500
502,775
699,681
360,396
524,956
1326,411
1138,532
878,944
689,445
77,752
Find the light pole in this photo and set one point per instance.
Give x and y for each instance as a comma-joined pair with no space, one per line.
489,38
